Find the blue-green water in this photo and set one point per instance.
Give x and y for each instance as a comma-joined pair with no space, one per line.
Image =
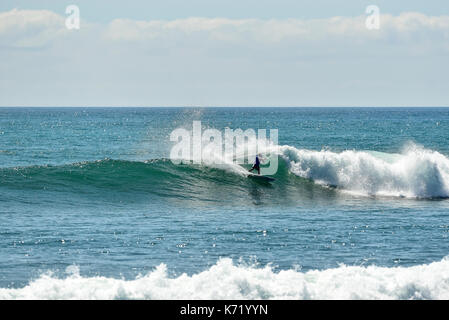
93,190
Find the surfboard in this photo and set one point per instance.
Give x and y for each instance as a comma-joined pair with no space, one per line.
260,178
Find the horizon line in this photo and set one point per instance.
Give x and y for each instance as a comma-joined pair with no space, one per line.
222,107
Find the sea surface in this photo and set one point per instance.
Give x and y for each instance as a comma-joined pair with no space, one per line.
92,207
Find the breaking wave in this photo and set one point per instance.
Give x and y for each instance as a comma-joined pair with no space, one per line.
226,280
414,173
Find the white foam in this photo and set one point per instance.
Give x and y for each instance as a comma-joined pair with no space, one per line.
214,155
416,172
226,280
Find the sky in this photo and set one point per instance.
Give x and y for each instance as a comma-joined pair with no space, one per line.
224,53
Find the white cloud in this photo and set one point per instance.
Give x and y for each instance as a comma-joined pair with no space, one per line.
406,34
30,28
273,31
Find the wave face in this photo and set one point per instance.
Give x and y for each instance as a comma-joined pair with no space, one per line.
226,280
158,177
415,173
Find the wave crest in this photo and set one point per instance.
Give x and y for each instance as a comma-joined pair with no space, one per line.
415,173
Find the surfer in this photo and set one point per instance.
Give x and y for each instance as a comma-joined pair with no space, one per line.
256,165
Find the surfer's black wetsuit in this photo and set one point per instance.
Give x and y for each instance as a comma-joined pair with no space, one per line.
256,165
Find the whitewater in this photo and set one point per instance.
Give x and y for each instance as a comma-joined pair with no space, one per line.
226,280
414,173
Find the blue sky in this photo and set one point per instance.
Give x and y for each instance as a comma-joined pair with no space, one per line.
224,53
106,10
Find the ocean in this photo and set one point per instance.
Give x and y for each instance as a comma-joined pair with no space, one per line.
93,207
